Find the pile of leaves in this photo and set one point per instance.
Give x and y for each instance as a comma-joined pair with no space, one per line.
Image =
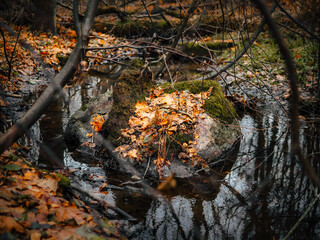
32,205
159,121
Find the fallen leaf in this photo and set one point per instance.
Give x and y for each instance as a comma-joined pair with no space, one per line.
8,224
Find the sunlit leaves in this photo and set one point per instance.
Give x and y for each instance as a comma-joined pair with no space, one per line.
97,123
157,121
53,50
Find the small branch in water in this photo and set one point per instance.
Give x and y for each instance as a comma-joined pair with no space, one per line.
147,168
302,217
114,208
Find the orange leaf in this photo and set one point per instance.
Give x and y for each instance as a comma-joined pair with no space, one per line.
142,106
133,153
8,224
89,135
97,122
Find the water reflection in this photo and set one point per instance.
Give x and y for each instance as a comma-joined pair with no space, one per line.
48,131
261,197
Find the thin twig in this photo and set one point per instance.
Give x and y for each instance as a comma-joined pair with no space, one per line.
218,71
302,217
114,208
147,168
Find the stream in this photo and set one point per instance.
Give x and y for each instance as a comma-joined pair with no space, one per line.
260,196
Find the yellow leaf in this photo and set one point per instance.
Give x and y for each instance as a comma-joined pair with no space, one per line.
168,184
142,106
89,135
133,153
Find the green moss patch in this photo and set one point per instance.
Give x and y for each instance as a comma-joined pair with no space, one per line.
131,28
132,86
202,49
64,181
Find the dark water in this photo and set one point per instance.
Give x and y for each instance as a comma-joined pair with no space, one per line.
260,196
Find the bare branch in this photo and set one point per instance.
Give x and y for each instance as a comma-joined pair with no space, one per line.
294,99
57,83
295,21
179,34
255,35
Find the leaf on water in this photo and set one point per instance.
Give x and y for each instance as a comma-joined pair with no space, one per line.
147,139
169,183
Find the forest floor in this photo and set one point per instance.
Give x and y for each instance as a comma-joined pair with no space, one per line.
36,204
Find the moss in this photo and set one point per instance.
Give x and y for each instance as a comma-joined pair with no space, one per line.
137,63
132,86
129,28
64,181
162,25
174,144
201,49
62,58
216,105
219,107
14,157
84,107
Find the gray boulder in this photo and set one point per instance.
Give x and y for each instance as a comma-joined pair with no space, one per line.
79,124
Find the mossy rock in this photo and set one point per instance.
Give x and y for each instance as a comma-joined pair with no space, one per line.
64,181
174,145
216,105
62,58
131,87
131,28
201,49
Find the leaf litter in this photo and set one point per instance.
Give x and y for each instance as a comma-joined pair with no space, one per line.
158,121
32,205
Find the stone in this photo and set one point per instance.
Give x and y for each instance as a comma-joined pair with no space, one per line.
79,124
214,137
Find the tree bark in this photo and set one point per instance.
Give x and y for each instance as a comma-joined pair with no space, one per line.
45,16
57,83
178,36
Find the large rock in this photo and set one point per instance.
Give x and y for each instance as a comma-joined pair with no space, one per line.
214,138
79,124
215,131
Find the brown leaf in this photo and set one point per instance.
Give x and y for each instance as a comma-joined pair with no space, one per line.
8,224
35,235
49,184
168,184
64,214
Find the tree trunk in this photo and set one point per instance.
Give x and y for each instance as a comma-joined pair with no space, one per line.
45,16
57,83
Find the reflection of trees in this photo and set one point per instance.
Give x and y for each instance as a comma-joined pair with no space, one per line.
277,195
51,128
262,197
